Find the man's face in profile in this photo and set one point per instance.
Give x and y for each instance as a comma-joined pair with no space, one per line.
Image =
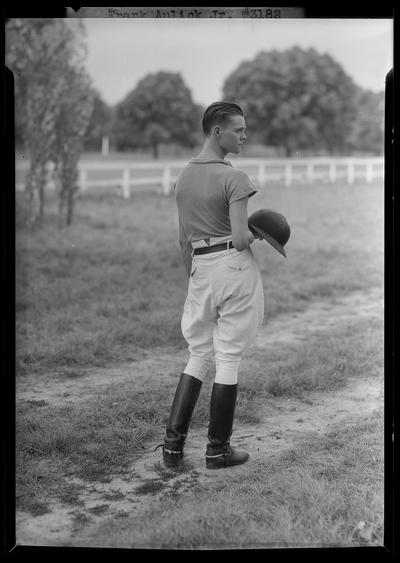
232,134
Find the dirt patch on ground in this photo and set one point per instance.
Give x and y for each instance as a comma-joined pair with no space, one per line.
321,316
71,385
63,387
282,424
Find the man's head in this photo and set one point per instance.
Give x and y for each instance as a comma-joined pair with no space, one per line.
224,123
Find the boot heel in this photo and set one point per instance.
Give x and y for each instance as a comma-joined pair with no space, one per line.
172,458
216,461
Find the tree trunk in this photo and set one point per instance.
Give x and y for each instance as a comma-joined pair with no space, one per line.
32,189
70,205
62,193
155,151
60,212
41,191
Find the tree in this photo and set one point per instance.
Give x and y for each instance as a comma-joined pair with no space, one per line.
159,110
100,124
34,53
154,135
46,56
295,99
73,117
367,133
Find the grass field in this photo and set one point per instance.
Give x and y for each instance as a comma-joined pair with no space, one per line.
112,287
114,283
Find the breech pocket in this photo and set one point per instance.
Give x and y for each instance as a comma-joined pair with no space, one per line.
242,277
237,267
239,262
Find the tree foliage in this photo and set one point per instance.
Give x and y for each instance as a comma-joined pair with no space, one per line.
367,133
297,99
160,109
53,101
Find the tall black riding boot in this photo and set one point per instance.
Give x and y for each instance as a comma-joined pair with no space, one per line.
222,410
185,399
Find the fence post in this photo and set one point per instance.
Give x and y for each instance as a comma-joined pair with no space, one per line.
166,180
83,179
350,172
310,173
261,173
288,173
332,172
105,146
126,188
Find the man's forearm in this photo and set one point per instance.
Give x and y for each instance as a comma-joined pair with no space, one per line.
187,257
186,249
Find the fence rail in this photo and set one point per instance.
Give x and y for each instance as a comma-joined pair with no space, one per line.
127,174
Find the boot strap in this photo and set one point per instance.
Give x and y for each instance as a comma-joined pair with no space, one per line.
217,455
166,450
172,451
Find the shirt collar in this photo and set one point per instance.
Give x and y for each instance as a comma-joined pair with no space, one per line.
197,160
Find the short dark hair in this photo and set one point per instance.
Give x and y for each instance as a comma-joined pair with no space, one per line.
219,112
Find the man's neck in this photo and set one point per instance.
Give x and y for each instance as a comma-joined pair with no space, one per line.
211,150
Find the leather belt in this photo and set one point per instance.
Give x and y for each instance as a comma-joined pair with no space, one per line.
213,248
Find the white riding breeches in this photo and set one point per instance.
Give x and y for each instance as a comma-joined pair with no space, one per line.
223,311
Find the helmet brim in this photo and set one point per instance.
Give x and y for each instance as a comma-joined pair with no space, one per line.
271,240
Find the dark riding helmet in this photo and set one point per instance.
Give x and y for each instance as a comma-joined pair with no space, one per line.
272,226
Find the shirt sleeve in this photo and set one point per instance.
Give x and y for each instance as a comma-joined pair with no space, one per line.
238,185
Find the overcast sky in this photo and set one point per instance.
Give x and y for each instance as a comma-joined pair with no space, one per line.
206,51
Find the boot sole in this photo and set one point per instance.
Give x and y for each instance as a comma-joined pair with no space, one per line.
213,465
172,465
168,462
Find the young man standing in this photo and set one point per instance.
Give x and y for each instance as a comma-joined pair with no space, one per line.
225,302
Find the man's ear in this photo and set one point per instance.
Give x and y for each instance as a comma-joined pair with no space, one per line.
217,130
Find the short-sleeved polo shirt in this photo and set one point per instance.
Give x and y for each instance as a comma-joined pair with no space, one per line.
204,190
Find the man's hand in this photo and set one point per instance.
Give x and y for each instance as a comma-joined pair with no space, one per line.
255,235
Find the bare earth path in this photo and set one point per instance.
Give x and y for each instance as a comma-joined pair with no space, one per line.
282,424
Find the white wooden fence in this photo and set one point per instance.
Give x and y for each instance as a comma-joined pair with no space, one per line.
126,175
